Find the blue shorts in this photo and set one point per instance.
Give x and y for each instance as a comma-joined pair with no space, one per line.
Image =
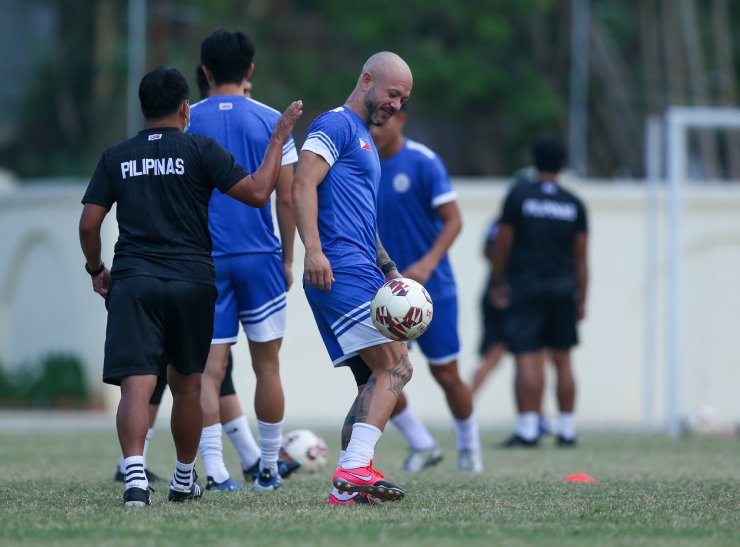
343,313
440,343
251,290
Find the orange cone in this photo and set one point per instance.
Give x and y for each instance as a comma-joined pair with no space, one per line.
580,477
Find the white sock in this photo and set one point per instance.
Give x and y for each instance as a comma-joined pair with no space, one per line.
134,469
241,437
361,448
341,458
183,477
121,465
528,425
212,450
413,430
468,436
567,426
148,438
270,438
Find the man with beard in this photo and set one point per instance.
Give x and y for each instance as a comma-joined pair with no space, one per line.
335,192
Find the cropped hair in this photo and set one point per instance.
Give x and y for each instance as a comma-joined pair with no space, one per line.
549,154
161,92
228,55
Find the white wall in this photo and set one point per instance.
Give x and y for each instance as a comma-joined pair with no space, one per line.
46,303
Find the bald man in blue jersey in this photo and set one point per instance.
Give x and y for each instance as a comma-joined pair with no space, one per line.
416,199
335,202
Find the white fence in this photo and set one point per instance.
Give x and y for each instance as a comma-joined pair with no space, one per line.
46,304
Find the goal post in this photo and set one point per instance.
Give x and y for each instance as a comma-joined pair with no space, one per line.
678,122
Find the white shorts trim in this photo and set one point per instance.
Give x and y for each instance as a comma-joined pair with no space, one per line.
231,340
439,361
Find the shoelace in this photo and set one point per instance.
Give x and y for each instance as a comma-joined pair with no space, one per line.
370,467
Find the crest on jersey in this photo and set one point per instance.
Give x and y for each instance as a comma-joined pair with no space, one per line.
364,145
155,136
401,183
225,106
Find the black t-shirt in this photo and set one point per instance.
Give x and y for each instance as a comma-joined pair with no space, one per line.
546,219
162,180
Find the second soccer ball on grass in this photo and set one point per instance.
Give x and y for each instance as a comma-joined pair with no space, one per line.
401,309
306,448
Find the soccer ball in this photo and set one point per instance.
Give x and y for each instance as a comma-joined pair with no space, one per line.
306,448
401,309
701,421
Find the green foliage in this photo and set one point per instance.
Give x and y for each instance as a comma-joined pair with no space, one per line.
489,74
55,381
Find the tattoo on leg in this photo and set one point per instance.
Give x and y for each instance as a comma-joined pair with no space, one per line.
400,375
358,412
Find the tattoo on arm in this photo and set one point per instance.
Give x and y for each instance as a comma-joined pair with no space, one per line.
399,375
381,255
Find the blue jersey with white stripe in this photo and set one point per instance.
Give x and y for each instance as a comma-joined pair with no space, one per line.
244,127
413,183
348,194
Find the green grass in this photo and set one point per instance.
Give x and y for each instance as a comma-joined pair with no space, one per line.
57,489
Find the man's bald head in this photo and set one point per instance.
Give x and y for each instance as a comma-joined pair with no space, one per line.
386,64
384,85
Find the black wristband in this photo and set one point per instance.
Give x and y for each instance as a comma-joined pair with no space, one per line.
96,272
388,267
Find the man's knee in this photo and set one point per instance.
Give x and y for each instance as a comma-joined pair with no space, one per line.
446,375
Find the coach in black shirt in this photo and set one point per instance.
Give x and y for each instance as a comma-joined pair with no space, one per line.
540,277
160,292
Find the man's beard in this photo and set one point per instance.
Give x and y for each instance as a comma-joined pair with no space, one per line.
371,106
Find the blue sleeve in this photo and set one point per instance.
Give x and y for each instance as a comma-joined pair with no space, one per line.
328,136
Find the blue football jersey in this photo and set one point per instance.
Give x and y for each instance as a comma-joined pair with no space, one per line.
348,193
244,127
413,183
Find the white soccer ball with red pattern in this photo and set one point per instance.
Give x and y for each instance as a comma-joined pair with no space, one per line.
306,448
401,309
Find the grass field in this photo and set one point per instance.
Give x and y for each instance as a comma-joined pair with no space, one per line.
57,489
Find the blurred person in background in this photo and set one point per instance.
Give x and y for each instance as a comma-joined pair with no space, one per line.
253,266
418,219
540,278
492,345
160,293
232,417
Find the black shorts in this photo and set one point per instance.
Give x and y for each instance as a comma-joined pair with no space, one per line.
227,386
493,325
153,322
540,318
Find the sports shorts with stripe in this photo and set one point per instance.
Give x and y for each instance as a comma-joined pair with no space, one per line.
154,321
251,290
343,313
440,343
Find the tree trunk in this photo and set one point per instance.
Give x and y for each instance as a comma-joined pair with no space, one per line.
699,86
725,64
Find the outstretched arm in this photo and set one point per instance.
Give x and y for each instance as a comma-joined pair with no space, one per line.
311,170
255,189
